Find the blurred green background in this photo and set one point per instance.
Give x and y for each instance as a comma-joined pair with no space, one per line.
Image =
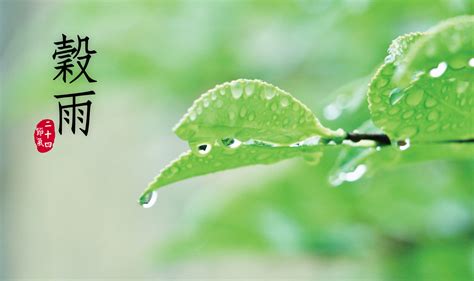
72,213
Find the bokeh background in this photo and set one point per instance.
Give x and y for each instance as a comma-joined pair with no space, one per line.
72,213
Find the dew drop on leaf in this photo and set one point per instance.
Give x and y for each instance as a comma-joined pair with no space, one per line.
237,89
269,93
249,88
415,97
433,115
204,149
439,70
149,199
243,112
462,86
395,95
430,102
404,145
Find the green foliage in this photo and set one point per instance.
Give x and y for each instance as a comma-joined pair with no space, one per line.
249,109
424,89
248,122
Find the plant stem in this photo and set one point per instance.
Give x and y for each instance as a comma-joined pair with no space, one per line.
380,139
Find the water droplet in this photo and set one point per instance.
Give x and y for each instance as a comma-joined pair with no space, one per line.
358,172
404,145
332,111
251,116
433,115
249,88
237,89
395,95
408,131
432,128
213,95
430,102
295,106
192,116
243,111
222,91
389,59
235,143
219,103
393,110
439,70
284,102
269,93
462,86
205,102
414,97
204,148
471,62
381,82
149,199
199,110
408,114
355,175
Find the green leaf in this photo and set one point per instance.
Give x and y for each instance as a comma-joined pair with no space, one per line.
249,109
219,158
241,123
413,96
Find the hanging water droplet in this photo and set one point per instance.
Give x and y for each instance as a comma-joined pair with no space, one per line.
358,172
192,116
204,149
205,102
404,145
237,89
439,70
219,103
148,199
395,95
355,175
213,95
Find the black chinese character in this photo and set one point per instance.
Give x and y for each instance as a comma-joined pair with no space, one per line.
65,53
73,111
